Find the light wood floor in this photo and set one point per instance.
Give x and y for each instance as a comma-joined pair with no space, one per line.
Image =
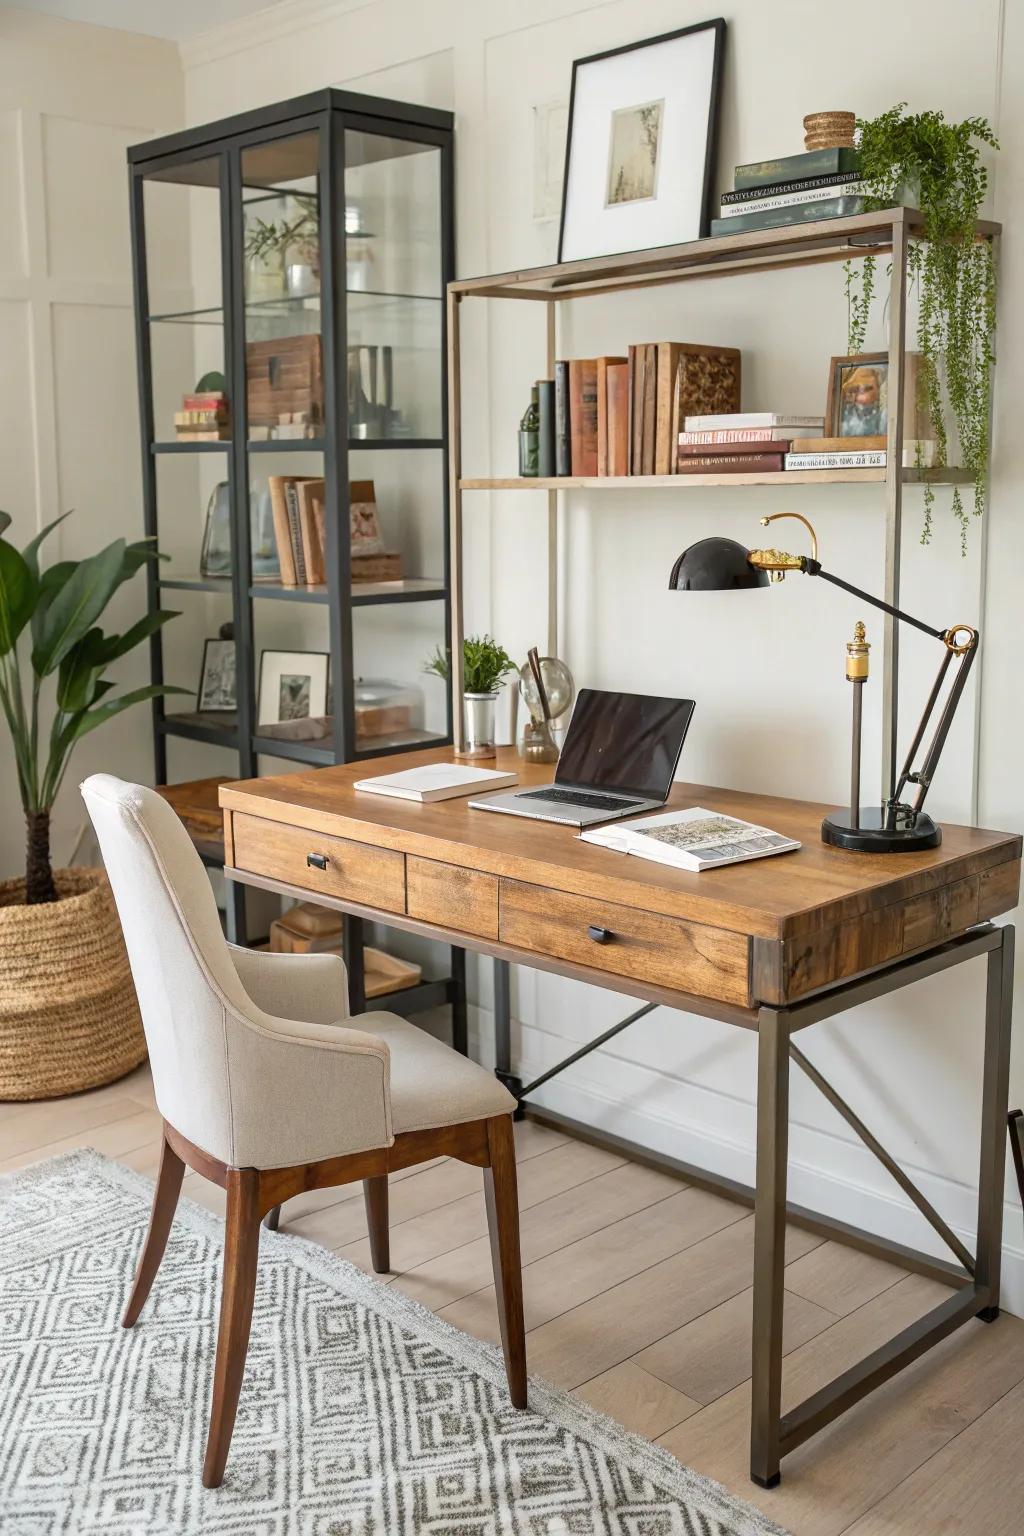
638,1299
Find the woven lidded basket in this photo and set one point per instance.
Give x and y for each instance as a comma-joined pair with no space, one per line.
69,1017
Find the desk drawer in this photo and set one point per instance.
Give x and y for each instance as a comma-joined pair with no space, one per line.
662,950
374,877
452,897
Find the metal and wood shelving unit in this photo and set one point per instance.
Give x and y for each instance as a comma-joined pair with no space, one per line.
889,231
378,176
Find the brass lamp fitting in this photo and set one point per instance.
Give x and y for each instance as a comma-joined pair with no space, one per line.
776,561
857,655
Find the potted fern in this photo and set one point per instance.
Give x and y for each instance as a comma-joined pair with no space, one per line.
68,1015
485,665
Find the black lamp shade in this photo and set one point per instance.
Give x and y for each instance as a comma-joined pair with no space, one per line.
715,565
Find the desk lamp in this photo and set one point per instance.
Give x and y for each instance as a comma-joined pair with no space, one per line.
718,565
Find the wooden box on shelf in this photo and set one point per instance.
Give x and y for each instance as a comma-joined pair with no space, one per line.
285,378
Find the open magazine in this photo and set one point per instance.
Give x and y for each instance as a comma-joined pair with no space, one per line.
694,839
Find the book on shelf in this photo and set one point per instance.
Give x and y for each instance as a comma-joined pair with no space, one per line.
798,213
311,497
760,443
605,370
813,162
738,421
799,194
583,415
834,444
618,418
731,463
870,458
695,839
202,435
726,436
546,430
300,532
782,188
563,446
649,409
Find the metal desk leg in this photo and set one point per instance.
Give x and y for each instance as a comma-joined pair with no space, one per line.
460,1016
769,1244
352,943
503,1031
995,1093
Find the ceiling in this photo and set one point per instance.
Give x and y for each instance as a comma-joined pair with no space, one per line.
177,20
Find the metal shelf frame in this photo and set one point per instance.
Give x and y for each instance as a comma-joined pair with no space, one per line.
824,240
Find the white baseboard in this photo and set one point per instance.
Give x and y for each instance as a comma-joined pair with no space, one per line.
810,1185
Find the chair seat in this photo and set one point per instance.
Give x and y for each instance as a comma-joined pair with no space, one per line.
432,1085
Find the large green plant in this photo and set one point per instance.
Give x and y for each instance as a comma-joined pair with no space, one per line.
48,629
485,664
953,271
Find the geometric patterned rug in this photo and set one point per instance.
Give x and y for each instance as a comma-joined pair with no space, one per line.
361,1413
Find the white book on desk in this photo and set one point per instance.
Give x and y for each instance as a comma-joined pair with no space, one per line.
437,781
693,839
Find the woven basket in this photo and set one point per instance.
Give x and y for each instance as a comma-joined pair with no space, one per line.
69,1018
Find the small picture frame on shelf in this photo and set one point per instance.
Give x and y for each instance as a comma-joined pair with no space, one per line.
218,692
293,686
857,403
640,154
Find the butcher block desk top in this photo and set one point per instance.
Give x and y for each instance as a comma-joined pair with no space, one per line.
766,931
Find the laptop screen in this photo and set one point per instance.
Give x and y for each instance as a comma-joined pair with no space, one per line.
627,742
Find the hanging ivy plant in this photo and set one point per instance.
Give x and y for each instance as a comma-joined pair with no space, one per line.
954,274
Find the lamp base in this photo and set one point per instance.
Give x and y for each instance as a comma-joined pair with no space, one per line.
881,829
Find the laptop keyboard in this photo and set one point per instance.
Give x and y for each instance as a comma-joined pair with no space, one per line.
579,797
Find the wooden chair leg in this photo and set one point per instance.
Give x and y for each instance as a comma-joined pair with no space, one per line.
241,1250
375,1194
501,1195
165,1203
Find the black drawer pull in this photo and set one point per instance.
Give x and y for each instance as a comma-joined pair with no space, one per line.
316,860
600,935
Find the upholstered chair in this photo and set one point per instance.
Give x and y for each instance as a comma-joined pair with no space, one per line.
268,1088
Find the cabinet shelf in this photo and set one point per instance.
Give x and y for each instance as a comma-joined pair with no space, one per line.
409,589
284,304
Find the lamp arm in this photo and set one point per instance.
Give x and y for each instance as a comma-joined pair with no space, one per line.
812,567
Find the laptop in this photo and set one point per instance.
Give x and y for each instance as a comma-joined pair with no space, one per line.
619,758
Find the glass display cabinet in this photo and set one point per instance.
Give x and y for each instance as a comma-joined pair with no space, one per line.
290,267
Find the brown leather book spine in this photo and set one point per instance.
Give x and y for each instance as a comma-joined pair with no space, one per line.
604,368
650,408
276,484
665,430
310,492
583,415
758,445
838,444
635,407
731,464
618,418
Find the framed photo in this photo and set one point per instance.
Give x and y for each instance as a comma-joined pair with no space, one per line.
858,396
293,686
364,520
217,688
639,159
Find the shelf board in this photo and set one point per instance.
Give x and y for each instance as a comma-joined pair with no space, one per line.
218,727
220,446
819,240
680,482
284,303
398,741
410,589
221,585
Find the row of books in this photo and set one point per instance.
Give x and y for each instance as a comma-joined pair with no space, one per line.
620,415
819,184
297,503
766,443
204,418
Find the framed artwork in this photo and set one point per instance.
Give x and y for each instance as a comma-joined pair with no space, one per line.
217,688
640,155
858,395
364,520
293,686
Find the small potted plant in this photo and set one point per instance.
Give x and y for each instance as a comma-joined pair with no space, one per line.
485,665
69,1018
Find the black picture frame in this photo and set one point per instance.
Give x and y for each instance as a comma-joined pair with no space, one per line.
718,26
202,709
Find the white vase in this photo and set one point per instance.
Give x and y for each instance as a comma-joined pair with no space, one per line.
480,721
264,277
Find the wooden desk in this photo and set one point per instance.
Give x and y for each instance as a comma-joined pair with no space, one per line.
773,945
